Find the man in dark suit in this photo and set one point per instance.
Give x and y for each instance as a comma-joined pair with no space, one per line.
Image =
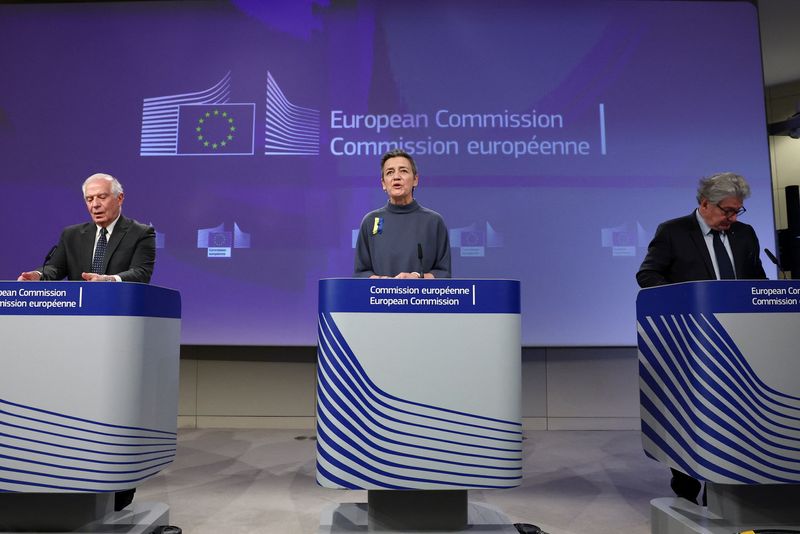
110,248
708,244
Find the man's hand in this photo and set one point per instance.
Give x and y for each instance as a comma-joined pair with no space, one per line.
29,276
93,277
408,275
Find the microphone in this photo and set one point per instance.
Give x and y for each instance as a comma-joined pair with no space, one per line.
772,258
419,256
47,259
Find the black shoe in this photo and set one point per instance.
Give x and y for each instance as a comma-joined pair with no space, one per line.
527,528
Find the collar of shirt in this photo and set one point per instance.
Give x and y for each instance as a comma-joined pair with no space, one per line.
406,208
109,229
705,228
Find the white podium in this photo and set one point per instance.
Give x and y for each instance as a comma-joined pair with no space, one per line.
719,373
88,402
418,398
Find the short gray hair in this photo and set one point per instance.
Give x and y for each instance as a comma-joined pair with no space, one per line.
116,187
722,185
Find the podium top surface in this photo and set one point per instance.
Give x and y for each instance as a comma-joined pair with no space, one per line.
88,298
721,296
390,295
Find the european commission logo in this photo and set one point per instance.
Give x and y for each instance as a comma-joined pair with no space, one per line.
473,240
220,242
206,123
216,129
623,240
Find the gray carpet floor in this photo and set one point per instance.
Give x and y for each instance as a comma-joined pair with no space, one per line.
262,481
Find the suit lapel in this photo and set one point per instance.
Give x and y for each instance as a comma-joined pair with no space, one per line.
699,241
87,247
120,229
738,252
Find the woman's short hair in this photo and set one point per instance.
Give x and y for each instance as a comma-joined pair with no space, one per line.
399,153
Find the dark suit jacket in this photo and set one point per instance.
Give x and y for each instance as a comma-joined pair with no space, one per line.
678,253
131,252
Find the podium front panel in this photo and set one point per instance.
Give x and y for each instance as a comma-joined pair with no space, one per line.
89,384
719,374
418,384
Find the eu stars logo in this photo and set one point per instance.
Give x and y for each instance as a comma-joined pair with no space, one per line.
224,125
219,242
216,129
473,240
623,240
204,123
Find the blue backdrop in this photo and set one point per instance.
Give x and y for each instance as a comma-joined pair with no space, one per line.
553,136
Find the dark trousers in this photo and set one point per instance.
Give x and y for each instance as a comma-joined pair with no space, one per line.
685,486
123,499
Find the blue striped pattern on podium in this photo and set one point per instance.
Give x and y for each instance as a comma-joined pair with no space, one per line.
706,412
371,439
48,452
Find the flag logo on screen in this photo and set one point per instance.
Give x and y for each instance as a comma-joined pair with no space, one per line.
177,125
205,123
220,242
473,240
161,238
624,239
216,129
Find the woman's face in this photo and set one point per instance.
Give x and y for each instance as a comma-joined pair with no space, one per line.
398,180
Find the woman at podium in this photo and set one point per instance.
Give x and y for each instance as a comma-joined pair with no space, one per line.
402,239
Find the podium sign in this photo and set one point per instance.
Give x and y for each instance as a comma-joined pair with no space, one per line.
419,384
89,385
719,374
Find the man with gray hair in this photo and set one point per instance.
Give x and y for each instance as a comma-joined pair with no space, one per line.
708,244
111,248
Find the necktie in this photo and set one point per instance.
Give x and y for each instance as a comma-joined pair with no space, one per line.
723,260
100,252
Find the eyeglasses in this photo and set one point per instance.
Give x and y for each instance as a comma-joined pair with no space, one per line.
730,212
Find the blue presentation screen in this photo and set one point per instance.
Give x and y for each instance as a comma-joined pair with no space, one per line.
552,136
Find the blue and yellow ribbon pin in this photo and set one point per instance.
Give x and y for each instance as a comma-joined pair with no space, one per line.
377,226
